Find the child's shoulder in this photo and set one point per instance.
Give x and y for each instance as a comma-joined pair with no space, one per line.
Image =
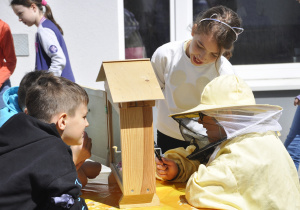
22,131
3,26
224,66
172,45
29,128
48,24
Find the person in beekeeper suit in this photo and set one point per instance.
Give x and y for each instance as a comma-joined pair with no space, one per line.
235,160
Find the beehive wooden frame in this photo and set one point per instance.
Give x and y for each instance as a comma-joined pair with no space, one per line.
132,89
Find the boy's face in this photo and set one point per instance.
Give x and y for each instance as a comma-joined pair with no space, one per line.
75,126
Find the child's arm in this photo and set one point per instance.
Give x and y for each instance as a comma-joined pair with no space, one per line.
159,64
82,152
53,49
82,177
57,179
64,193
7,46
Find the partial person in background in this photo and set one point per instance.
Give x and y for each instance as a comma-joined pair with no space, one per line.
51,49
8,58
134,47
183,68
154,22
292,142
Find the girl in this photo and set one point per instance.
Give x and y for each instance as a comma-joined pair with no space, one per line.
51,50
183,68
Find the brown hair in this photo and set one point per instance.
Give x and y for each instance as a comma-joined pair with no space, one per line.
224,35
27,82
52,95
48,13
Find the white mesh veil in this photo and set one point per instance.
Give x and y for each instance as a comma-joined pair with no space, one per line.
242,120
235,121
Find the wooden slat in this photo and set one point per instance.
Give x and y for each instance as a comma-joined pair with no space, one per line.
149,162
137,104
137,141
132,135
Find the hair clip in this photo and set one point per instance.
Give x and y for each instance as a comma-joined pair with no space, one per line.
44,3
236,30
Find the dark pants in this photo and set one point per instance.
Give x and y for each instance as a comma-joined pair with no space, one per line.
166,142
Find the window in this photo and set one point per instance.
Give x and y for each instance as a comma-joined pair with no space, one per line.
266,55
272,29
147,26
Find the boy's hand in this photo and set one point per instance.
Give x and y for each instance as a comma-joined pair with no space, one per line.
166,169
82,152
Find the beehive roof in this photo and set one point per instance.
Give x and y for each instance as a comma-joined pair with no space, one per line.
130,80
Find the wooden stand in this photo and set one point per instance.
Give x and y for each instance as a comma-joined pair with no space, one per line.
134,107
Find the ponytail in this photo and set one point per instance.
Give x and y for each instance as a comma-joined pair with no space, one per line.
48,15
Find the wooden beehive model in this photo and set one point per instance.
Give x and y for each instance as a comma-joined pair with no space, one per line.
132,89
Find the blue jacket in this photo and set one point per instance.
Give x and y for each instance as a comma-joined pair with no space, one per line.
10,98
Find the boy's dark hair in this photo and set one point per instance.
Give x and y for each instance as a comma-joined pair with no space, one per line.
27,81
52,95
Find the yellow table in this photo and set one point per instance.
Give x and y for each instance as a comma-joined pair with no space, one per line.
102,196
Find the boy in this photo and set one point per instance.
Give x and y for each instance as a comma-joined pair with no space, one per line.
14,100
36,161
247,166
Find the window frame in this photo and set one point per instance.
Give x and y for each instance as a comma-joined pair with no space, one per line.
260,77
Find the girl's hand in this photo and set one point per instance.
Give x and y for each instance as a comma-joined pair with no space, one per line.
166,169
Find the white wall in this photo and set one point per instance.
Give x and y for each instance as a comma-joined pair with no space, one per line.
93,31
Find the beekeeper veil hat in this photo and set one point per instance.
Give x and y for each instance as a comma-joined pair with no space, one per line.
231,102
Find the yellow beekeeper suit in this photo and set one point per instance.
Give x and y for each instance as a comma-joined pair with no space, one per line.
251,169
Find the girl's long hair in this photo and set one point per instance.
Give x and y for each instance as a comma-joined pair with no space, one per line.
48,12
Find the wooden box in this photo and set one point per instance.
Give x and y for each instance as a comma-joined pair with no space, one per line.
132,89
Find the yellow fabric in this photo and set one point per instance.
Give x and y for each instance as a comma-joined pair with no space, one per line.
253,171
186,167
